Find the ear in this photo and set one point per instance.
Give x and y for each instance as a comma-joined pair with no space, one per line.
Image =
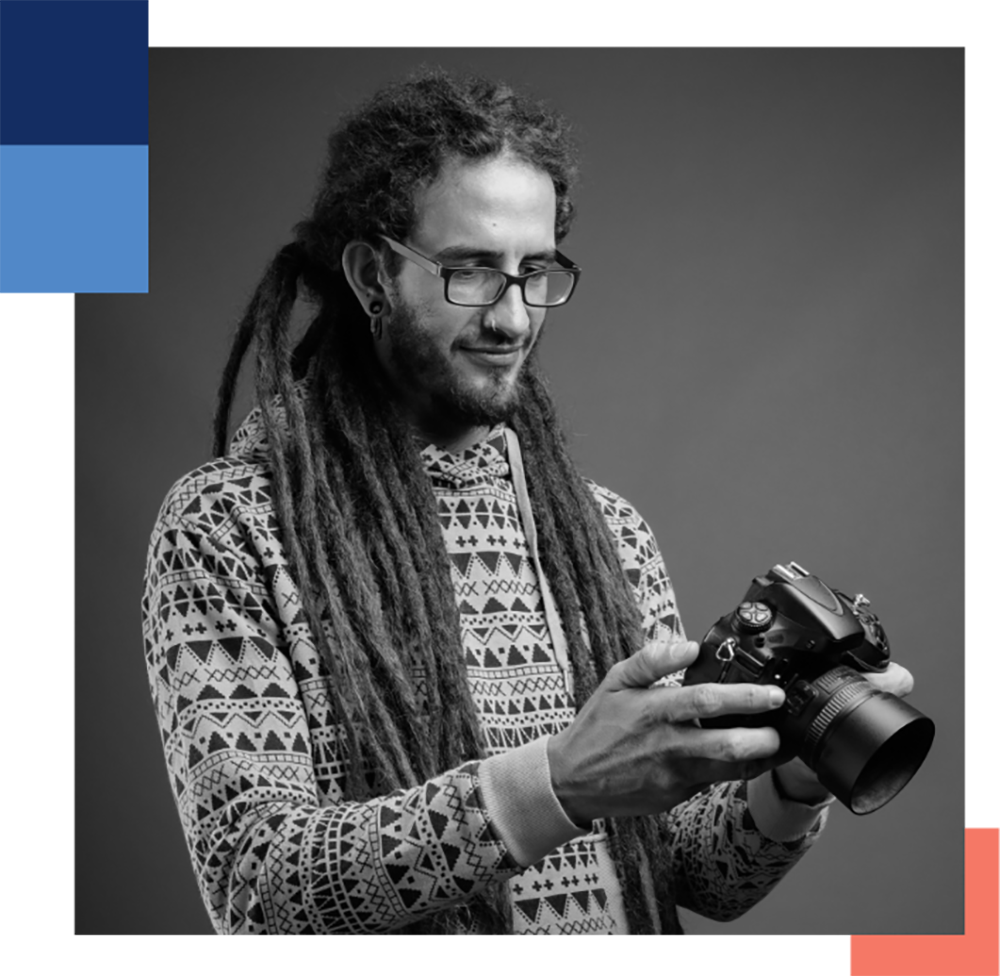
363,270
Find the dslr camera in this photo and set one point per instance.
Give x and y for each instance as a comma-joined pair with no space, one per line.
794,631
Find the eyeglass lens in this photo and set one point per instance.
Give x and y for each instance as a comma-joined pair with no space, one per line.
481,287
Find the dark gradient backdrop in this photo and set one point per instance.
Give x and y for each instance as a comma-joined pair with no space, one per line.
765,356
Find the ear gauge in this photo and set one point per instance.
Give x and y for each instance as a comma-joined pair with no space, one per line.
375,311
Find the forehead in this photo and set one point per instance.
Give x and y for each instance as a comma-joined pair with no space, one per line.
500,204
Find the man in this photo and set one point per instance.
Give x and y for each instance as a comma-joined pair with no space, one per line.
412,672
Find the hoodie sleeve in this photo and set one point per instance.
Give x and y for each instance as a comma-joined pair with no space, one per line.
252,749
732,843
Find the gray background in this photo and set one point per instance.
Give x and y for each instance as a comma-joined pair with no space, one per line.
765,356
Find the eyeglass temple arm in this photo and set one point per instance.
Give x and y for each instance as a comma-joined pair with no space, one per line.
565,262
433,267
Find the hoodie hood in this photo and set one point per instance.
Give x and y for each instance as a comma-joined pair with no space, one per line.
477,465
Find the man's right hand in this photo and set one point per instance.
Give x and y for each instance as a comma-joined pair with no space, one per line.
633,749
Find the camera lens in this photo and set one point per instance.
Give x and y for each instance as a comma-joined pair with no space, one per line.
864,744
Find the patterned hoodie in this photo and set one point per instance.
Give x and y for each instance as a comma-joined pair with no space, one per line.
252,746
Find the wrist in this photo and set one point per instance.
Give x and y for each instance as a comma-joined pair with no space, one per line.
780,819
559,774
791,788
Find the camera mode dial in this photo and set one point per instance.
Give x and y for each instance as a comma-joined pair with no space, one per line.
752,617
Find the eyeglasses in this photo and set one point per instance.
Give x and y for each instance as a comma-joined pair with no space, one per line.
477,287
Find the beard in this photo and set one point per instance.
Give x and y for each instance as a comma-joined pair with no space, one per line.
420,366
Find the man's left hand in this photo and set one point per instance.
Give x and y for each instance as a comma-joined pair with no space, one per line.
797,781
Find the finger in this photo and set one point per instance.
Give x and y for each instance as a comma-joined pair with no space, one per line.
716,771
651,663
702,701
896,680
738,745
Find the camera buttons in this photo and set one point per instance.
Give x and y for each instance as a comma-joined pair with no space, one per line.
798,696
752,617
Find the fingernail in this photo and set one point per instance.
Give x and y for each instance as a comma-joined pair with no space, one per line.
776,697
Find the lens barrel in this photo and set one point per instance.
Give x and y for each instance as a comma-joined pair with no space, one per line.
864,744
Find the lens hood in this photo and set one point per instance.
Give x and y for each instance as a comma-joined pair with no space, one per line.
871,751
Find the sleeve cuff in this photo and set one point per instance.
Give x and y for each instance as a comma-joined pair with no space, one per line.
778,819
523,808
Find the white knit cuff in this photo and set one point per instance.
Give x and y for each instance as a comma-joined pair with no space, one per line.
778,819
523,807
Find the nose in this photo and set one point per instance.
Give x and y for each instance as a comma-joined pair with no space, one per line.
510,315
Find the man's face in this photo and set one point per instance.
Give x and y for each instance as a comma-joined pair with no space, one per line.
457,369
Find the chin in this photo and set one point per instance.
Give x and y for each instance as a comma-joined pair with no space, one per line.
479,407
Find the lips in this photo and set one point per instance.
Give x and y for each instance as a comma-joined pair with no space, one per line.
494,355
495,350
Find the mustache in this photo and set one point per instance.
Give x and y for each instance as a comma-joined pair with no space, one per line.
490,340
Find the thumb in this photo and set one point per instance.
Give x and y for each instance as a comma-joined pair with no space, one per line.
896,680
651,663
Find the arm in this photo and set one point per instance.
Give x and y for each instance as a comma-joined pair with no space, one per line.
724,862
252,749
734,841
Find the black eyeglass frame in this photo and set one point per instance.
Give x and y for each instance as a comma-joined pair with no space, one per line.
444,272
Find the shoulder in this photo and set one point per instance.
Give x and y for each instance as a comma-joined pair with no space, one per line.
214,497
627,526
216,549
241,480
642,563
223,483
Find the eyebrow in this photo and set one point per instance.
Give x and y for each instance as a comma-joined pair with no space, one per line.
462,252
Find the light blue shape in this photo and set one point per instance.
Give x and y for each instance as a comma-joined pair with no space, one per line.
74,219
22,314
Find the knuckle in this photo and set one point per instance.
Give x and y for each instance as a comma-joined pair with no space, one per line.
705,699
649,713
735,746
683,744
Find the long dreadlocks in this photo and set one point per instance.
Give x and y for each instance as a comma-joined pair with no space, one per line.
356,510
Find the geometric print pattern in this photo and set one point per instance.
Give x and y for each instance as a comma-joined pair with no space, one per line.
693,835
253,750
521,691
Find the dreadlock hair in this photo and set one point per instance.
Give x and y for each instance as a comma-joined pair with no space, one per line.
356,511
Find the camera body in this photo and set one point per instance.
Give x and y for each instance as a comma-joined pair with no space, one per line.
815,642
